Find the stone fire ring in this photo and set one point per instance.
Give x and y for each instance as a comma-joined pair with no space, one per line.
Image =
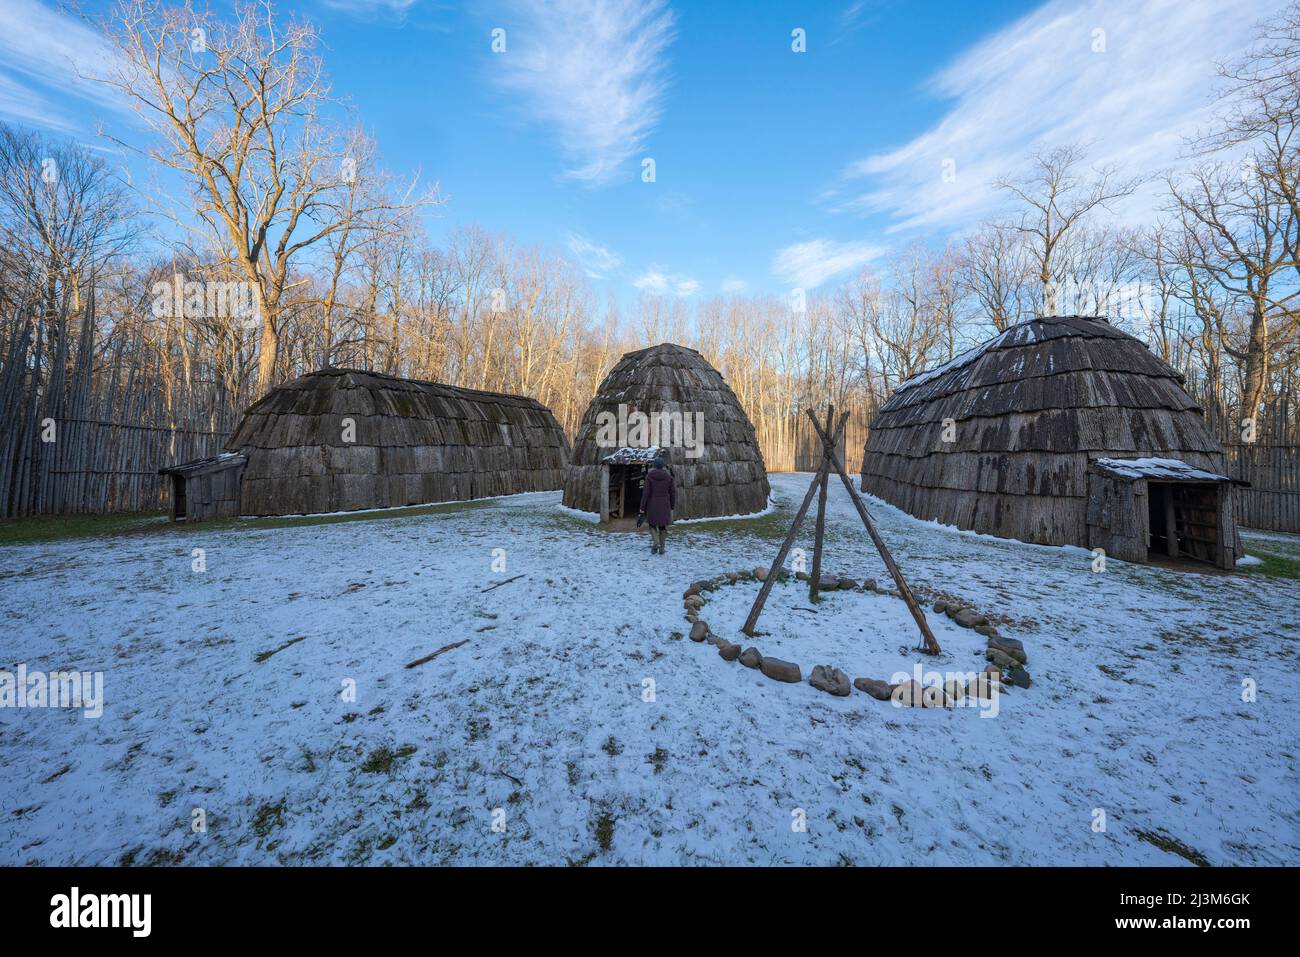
1006,656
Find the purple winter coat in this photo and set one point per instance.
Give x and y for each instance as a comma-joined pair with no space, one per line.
659,497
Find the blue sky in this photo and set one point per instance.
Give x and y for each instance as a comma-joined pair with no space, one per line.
774,169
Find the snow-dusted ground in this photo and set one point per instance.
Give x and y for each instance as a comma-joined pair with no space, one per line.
1136,708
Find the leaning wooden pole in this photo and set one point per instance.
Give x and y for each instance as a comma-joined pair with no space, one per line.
931,646
822,473
814,582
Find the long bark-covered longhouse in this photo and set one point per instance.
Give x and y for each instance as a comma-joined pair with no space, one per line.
1061,430
722,473
346,439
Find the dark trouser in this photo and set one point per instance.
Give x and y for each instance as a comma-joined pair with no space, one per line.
658,534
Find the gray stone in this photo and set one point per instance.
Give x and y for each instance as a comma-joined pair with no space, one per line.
870,585
1017,677
831,680
969,618
694,589
1001,659
828,583
729,651
1011,647
940,607
847,583
984,686
750,657
760,574
779,670
699,631
695,602
733,576
692,617
879,690
801,576
988,631
952,609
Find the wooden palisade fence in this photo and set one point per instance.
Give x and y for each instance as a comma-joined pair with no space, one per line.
85,429
1272,501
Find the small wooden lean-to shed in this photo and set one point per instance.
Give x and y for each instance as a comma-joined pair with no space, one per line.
622,476
1143,508
206,488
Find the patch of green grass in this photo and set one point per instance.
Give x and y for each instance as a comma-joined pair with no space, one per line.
378,761
298,521
770,527
477,728
268,816
50,528
658,757
605,830
1275,564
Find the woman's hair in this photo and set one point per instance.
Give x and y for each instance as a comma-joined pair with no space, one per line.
659,462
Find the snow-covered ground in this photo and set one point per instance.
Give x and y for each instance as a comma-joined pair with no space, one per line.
540,726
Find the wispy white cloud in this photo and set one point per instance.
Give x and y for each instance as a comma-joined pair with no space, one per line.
850,19
733,287
1129,79
596,260
369,9
595,70
44,52
807,265
659,282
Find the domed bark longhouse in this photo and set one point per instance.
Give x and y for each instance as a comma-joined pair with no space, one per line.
697,413
346,439
1061,430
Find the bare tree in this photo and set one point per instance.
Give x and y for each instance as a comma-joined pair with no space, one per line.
994,271
1058,197
1234,228
238,106
62,216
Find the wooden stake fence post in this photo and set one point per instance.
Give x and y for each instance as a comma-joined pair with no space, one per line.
931,646
752,621
814,582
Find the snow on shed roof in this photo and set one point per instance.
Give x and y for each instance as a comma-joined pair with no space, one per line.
1159,469
212,463
628,454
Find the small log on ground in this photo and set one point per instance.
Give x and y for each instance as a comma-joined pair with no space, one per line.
455,644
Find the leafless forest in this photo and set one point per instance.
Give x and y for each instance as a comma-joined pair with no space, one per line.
138,318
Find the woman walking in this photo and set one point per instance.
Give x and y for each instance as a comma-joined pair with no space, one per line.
658,499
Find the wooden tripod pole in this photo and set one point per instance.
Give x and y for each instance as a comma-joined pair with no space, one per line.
814,582
822,473
931,646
